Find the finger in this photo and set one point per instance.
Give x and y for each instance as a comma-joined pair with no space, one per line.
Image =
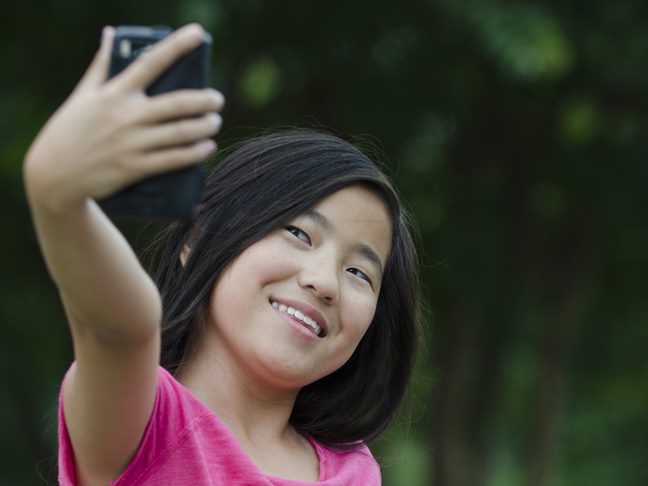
97,72
169,159
148,67
179,132
181,103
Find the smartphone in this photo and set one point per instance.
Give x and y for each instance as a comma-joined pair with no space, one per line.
171,195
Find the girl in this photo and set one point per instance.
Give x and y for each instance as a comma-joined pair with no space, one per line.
288,305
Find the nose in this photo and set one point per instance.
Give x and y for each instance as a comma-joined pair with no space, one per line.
320,276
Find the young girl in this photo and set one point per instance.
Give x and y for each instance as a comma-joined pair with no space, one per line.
285,312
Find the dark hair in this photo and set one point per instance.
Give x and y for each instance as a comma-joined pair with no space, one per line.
255,189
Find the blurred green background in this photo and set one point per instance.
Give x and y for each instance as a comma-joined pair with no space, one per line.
516,132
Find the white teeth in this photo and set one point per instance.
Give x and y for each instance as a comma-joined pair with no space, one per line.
299,315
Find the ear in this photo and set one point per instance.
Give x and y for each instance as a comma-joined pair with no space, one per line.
184,254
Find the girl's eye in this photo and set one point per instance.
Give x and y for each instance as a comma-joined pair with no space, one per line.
299,233
360,274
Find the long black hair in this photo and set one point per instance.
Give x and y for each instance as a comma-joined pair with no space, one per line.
256,188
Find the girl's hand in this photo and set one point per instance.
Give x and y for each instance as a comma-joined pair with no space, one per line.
109,133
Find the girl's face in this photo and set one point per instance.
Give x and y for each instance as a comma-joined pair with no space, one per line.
293,307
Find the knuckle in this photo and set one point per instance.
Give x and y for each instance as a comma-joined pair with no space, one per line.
188,102
158,160
109,96
183,130
148,60
119,117
175,105
173,157
123,165
187,155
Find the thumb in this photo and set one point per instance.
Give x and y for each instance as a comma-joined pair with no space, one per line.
97,72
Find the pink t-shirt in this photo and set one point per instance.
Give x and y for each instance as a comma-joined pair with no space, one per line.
185,443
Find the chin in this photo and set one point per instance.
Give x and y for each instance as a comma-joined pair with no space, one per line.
288,375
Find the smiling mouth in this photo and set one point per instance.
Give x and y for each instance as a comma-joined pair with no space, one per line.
308,322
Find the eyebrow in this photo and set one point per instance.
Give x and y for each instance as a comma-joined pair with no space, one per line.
363,249
318,218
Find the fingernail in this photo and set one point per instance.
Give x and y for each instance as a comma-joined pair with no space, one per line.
106,31
218,97
209,146
192,32
215,120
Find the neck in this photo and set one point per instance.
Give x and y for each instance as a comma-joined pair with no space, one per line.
255,412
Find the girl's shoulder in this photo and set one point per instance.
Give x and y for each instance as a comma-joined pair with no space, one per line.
353,466
179,430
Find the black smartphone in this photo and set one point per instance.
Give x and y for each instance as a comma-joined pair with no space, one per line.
172,195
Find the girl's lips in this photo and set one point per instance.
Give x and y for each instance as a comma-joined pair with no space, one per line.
307,310
299,316
300,328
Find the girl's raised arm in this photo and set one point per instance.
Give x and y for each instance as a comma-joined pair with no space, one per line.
106,135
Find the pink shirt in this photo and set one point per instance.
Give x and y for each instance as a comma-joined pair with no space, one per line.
185,443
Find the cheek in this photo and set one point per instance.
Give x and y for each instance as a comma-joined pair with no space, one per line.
243,281
358,316
222,303
268,261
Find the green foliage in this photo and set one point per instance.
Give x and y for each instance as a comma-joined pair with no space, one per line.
525,39
578,121
408,463
260,82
